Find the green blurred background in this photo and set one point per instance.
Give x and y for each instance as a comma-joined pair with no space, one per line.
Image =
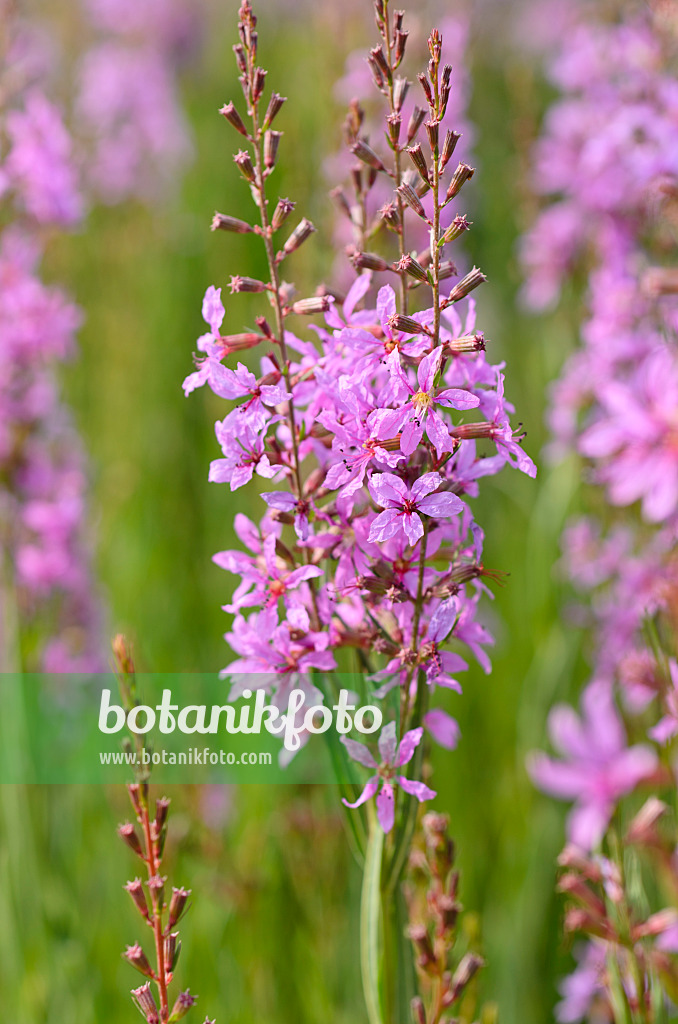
273,934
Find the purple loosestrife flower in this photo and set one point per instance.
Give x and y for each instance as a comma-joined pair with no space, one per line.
419,413
600,768
393,756
403,505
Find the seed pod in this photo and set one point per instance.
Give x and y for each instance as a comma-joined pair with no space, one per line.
172,950
394,123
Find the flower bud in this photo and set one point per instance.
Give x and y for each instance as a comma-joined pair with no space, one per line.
409,196
183,1004
156,884
364,152
138,793
222,222
258,84
271,144
445,89
394,124
406,324
274,105
449,146
418,1011
400,43
400,90
143,997
389,214
302,231
340,199
136,891
123,655
456,228
464,344
246,284
642,830
474,278
418,159
433,132
128,834
469,966
369,261
426,86
282,211
136,956
172,950
379,59
462,174
447,269
233,117
161,811
177,905
240,58
413,268
245,165
421,939
309,307
415,123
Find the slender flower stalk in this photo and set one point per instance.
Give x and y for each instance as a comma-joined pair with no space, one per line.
161,913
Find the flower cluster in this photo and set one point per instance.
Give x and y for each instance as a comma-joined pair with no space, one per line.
608,160
127,107
42,478
368,548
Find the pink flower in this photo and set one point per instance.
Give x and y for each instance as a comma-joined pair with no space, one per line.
419,413
599,767
393,756
402,505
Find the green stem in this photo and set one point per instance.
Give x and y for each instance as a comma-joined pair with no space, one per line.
370,913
